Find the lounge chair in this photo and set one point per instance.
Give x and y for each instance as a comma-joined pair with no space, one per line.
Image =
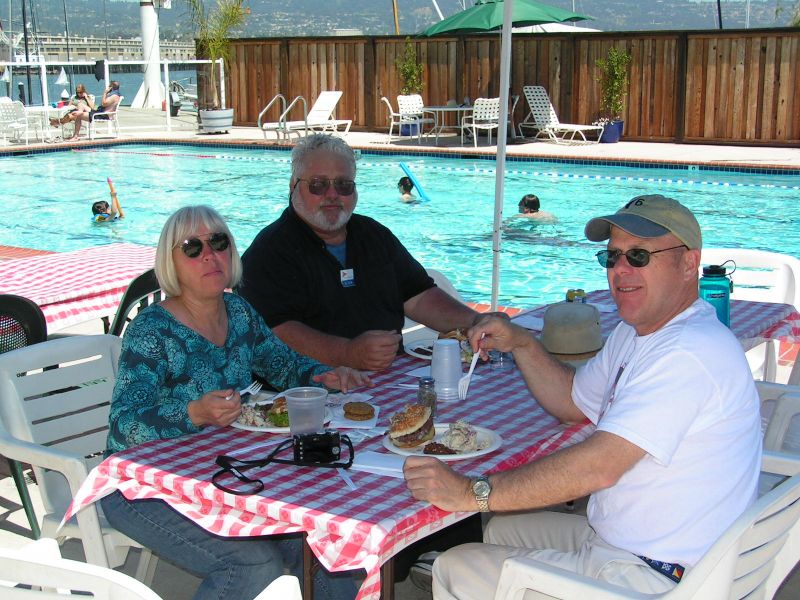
543,118
319,118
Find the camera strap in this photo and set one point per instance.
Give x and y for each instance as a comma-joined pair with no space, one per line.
237,467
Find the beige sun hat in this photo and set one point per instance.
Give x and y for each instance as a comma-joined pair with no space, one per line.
572,330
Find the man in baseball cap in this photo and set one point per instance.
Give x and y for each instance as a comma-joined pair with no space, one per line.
648,217
675,454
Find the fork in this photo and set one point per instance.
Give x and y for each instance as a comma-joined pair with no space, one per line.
463,383
251,389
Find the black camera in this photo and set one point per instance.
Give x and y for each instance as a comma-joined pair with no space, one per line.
317,448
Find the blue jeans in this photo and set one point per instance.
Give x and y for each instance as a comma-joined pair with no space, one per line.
230,567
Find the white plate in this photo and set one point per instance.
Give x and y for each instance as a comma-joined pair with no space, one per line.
486,437
423,350
269,398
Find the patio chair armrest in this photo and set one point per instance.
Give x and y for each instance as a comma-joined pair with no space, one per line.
71,466
523,573
780,463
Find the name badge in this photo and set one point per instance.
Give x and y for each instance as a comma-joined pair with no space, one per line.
347,278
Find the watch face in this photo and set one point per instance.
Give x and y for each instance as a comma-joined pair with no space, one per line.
481,488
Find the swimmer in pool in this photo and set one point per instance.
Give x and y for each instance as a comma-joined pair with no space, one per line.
529,207
404,186
102,212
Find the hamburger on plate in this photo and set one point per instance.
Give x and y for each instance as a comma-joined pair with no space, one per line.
411,426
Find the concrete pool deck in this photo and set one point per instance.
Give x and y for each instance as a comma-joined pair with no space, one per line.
150,126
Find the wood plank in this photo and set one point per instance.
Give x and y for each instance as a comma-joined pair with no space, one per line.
768,94
783,102
735,118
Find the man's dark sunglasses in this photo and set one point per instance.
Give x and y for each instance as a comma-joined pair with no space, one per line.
637,257
193,247
320,185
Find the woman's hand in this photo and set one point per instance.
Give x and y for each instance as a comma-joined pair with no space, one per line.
220,407
343,378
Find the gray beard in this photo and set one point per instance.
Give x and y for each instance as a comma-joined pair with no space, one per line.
317,219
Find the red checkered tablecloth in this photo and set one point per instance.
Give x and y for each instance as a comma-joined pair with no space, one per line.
751,322
78,286
345,529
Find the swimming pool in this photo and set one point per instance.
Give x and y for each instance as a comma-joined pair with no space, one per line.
47,200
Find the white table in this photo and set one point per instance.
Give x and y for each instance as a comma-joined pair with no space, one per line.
441,112
44,113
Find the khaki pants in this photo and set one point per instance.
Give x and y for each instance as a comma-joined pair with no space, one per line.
472,571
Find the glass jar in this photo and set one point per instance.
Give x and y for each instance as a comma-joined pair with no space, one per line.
426,394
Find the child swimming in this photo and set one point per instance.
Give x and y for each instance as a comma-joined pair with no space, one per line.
102,212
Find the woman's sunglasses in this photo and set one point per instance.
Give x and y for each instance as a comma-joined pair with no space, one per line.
320,185
193,247
637,257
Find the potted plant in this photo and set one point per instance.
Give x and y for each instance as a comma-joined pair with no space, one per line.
213,28
409,69
613,80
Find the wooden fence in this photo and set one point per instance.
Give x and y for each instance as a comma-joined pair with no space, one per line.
709,86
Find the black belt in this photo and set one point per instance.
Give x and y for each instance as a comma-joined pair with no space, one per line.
672,571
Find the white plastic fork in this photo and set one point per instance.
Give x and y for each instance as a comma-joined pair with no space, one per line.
463,383
251,389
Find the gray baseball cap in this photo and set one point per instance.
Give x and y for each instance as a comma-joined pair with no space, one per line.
648,217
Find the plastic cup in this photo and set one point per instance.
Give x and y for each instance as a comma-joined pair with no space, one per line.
446,368
501,361
306,406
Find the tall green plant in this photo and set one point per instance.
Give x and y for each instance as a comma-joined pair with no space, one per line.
409,69
213,29
613,80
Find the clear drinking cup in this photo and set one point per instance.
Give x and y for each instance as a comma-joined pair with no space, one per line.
306,406
446,368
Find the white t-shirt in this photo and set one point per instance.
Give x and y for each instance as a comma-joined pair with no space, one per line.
685,395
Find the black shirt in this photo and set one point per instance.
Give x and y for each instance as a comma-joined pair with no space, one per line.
290,276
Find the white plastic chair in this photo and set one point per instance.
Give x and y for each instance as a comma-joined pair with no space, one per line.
485,115
55,418
750,559
761,277
40,565
13,121
110,118
543,119
395,118
412,114
779,405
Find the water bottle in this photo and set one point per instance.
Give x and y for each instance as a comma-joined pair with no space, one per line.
716,288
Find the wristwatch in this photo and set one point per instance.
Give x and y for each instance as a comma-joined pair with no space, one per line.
482,488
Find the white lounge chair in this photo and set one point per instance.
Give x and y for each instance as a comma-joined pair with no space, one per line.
761,277
749,560
319,118
485,115
543,118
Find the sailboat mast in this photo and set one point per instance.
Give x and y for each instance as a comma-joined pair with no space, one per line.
69,60
27,55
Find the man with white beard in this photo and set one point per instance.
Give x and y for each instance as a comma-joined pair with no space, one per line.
335,285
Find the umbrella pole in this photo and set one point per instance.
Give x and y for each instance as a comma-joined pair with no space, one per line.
500,169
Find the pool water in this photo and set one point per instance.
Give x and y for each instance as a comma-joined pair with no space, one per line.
48,198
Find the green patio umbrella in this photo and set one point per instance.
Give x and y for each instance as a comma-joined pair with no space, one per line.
487,15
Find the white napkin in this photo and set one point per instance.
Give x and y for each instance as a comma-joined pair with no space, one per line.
529,322
426,372
389,465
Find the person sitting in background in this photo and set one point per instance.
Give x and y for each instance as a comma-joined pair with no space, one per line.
181,364
404,186
85,109
333,284
529,207
102,212
676,452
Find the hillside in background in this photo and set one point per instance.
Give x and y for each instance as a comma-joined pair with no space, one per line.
279,18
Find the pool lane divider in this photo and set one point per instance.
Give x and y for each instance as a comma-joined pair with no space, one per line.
413,179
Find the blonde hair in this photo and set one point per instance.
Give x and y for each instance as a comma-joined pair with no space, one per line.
184,223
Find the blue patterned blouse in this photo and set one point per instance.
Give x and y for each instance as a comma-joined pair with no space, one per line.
164,365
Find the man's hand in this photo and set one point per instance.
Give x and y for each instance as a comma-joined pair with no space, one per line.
500,334
220,407
343,378
431,480
373,350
